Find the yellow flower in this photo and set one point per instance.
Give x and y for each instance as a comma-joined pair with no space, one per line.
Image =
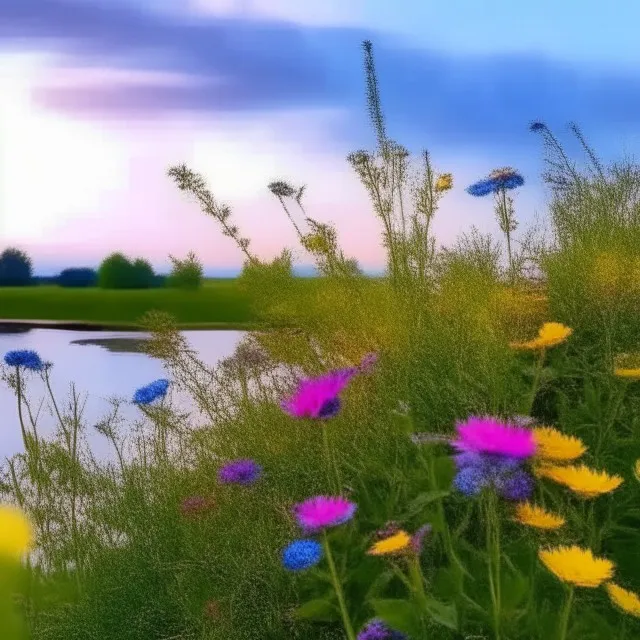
555,445
395,543
634,374
627,365
16,534
534,516
577,566
549,335
444,183
582,480
626,600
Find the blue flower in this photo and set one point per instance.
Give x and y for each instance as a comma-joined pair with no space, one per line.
517,486
24,358
498,181
380,630
301,555
152,391
470,481
240,472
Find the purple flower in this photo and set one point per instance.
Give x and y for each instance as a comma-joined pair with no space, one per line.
417,540
240,472
318,398
379,630
470,481
517,486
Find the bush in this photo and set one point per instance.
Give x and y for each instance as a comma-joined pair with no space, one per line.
118,272
16,269
78,277
186,274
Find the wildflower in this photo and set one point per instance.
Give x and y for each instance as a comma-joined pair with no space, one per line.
322,512
534,516
554,445
470,481
24,358
240,472
417,540
301,555
494,465
487,435
393,544
154,390
633,374
577,566
582,480
499,180
516,486
16,534
318,397
195,505
628,601
379,630
444,183
549,335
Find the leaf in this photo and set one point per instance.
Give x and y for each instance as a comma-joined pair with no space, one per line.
318,609
444,614
401,615
418,504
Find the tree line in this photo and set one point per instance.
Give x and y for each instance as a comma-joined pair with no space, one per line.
116,271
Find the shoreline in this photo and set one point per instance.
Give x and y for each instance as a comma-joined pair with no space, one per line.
9,325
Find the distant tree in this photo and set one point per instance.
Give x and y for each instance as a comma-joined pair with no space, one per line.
78,277
114,272
142,275
186,274
16,268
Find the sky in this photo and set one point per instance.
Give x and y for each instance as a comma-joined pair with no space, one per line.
99,98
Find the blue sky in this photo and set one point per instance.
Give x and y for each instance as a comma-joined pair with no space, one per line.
246,91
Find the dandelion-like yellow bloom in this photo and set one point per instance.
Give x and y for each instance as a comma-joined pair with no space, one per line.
582,480
534,516
634,374
549,335
16,534
636,469
444,183
552,444
577,566
628,601
393,544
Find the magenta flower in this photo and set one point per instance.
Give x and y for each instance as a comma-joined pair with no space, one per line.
318,398
488,435
322,512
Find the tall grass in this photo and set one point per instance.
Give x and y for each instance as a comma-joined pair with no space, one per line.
119,555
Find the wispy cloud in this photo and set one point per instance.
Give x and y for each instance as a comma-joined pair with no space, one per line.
245,65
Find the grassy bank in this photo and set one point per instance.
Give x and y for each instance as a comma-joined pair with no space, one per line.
218,303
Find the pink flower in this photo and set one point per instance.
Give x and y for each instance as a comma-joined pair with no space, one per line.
487,435
318,397
323,512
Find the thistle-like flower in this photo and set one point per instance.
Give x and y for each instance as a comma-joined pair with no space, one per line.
301,555
24,358
151,392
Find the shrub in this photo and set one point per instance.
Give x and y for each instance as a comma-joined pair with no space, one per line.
16,269
186,274
78,277
118,272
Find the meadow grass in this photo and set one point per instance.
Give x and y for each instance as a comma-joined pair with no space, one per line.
120,555
218,302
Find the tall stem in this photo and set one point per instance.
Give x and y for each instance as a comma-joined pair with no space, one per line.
346,620
493,553
566,613
536,382
332,465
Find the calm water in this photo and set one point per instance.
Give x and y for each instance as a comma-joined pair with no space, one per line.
97,372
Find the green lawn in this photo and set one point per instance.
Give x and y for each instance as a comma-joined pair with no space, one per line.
218,302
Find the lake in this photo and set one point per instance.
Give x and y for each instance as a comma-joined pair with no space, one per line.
98,372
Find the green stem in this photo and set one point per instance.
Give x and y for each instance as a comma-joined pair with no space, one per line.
417,580
346,621
603,434
493,553
331,459
566,613
536,382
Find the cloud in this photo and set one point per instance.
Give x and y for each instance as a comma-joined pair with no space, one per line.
231,65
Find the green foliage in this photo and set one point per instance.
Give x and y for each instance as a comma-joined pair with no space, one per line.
118,272
186,274
16,269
